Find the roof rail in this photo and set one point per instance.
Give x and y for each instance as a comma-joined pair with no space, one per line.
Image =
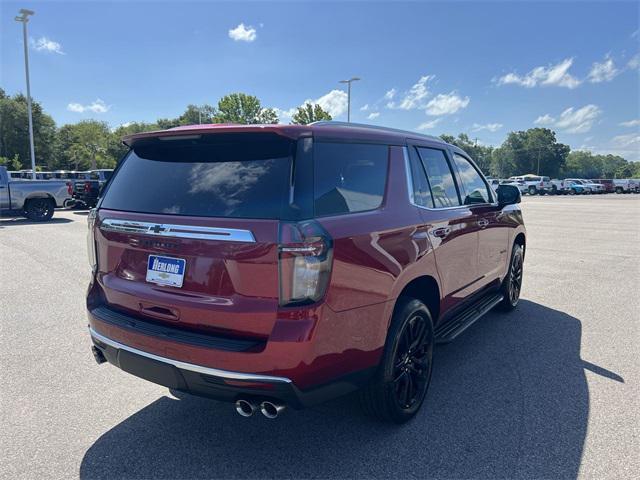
332,123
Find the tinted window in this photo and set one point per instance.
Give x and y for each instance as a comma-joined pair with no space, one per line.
443,187
421,190
474,188
348,177
217,177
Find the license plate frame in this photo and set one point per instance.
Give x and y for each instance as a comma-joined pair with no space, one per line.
166,271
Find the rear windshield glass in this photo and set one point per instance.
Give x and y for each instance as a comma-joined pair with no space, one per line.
216,176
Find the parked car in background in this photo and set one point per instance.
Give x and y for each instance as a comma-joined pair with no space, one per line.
87,186
574,188
627,185
608,184
557,187
277,266
536,185
34,199
588,186
519,184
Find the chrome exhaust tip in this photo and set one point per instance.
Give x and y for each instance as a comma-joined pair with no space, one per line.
245,408
270,409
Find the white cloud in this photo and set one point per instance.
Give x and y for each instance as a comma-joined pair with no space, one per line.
243,33
43,44
603,71
364,108
98,106
545,119
631,123
390,94
373,115
445,104
628,141
491,127
414,98
285,114
429,125
634,63
557,75
334,102
572,120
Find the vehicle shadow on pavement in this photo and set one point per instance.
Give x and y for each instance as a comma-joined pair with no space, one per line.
19,222
508,399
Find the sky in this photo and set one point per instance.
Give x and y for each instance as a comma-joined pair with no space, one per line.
482,68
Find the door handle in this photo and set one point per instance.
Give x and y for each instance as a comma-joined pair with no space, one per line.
483,222
420,235
441,232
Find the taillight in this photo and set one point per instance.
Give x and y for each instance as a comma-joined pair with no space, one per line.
69,188
91,240
87,187
542,184
305,256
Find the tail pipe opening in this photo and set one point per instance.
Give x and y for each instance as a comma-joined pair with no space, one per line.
271,409
245,408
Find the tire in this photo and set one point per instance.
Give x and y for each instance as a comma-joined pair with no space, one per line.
554,190
532,190
618,189
512,284
400,384
39,209
572,191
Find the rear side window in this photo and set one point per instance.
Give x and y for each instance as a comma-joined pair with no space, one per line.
349,177
421,190
240,176
443,187
474,187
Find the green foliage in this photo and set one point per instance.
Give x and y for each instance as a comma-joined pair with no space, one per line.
532,151
14,131
84,145
481,154
309,113
629,170
244,109
582,164
12,163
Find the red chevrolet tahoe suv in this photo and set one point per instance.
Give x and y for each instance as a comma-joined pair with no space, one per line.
274,266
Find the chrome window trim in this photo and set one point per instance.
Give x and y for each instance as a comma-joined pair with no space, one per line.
177,231
189,366
407,168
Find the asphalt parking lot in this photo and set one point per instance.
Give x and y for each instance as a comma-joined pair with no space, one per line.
548,391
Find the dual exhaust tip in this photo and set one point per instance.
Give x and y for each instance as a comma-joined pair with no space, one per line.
269,409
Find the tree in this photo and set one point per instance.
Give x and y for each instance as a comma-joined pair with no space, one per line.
14,131
630,170
84,145
532,151
309,113
481,154
11,163
244,109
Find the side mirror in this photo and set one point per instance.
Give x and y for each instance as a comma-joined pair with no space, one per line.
508,195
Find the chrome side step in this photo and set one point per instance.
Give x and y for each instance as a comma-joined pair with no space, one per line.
452,328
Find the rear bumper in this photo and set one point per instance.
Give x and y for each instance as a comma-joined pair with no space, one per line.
219,384
297,370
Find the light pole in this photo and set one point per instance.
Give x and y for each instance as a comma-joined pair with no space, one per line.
24,18
348,82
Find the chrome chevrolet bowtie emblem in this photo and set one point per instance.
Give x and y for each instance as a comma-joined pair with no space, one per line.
157,229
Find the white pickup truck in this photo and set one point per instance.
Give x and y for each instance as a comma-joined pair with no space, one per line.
34,199
625,185
536,185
